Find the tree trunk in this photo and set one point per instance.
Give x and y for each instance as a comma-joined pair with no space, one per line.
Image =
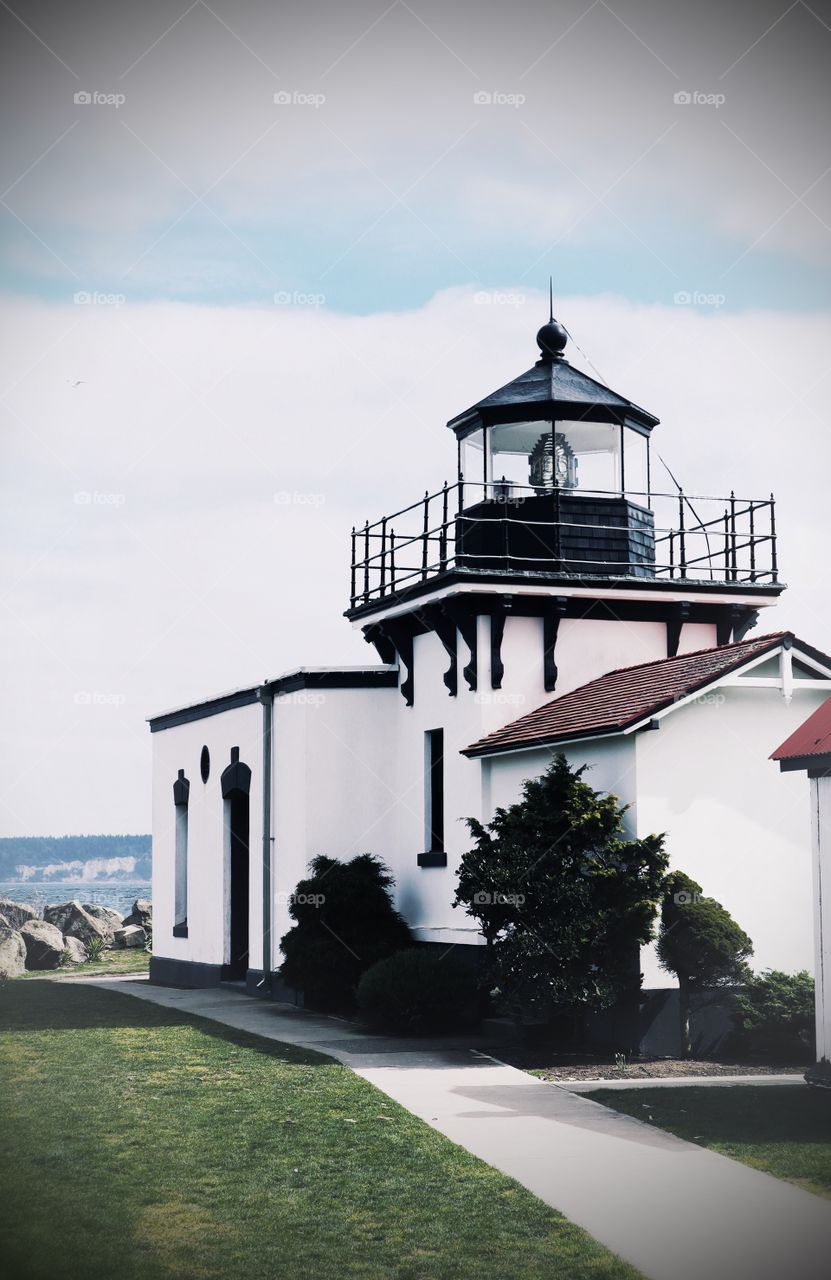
684,1016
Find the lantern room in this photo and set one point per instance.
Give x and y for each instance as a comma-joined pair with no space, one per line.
554,428
560,463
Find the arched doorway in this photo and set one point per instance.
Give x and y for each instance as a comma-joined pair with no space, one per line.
236,786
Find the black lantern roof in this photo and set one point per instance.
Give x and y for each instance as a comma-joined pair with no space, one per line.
552,389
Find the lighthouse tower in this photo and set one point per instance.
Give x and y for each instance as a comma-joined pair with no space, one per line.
550,561
554,537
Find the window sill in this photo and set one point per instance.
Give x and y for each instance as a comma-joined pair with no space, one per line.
180,930
435,858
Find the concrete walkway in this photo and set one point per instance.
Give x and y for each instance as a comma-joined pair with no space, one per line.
672,1209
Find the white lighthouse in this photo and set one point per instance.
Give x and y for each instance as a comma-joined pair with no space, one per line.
549,598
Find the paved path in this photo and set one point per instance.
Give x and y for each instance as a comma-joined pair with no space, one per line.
674,1210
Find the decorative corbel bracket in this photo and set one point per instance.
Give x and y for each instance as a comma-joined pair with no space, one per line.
740,630
400,636
466,622
501,609
439,620
554,611
385,649
680,615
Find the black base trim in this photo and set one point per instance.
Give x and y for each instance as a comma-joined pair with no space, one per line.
433,859
184,973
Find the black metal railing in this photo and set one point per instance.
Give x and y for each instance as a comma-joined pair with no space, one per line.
701,538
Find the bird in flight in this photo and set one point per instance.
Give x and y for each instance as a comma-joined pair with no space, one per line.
76,382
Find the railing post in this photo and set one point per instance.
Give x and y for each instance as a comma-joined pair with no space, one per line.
383,555
774,567
672,553
726,536
392,561
752,541
366,562
732,536
352,582
424,534
682,539
443,536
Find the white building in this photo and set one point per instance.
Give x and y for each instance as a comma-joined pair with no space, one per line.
503,608
808,750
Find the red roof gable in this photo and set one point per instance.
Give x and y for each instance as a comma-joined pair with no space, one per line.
621,698
813,738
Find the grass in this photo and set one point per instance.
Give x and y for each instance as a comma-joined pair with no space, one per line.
141,1142
129,960
783,1129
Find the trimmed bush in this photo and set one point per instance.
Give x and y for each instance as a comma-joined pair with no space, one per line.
345,922
417,991
776,1017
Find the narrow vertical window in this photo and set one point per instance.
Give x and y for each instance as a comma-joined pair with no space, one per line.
434,790
181,792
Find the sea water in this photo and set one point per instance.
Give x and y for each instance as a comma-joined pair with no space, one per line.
117,894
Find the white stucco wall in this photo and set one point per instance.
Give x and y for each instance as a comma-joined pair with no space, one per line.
732,823
208,891
335,791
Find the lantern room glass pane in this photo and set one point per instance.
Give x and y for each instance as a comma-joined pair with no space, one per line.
472,463
511,449
593,452
636,466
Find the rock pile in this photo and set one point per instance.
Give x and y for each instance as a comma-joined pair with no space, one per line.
66,934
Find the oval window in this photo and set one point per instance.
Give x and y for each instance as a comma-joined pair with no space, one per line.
205,764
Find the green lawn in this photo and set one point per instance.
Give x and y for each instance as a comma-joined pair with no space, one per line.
783,1129
139,1142
130,960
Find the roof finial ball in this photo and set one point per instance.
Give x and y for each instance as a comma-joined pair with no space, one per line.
552,337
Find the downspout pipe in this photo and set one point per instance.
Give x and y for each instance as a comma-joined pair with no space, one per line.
267,699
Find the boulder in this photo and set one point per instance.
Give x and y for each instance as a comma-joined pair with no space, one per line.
4,924
44,944
141,914
77,950
73,920
17,913
132,935
106,916
12,954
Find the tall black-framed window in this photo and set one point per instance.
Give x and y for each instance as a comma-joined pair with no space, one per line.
434,790
181,795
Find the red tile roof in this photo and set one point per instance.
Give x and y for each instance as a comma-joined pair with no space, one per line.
621,698
813,738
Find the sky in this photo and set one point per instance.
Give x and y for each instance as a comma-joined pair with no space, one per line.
255,256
